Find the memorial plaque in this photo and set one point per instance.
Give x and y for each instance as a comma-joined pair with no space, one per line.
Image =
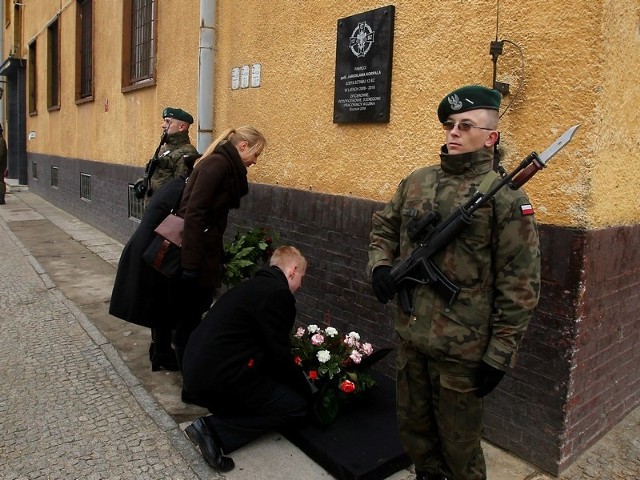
364,51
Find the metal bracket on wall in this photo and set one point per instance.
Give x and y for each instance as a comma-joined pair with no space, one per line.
495,50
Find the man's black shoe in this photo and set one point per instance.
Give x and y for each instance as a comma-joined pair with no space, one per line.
201,435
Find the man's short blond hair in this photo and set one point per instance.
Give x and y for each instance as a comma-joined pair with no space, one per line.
287,256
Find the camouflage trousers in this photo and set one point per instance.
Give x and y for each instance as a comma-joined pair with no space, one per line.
439,416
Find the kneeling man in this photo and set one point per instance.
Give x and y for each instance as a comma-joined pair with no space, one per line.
238,362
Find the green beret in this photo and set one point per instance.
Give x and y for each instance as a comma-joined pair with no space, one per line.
178,114
468,98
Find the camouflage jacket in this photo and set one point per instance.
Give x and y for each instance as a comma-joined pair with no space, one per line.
495,261
170,164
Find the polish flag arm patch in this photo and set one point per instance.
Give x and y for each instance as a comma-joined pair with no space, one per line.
526,209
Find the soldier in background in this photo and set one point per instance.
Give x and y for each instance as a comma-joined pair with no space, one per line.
451,356
177,155
3,166
175,159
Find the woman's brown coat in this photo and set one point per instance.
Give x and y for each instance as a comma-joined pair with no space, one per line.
216,185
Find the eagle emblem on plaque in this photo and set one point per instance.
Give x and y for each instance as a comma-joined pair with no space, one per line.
361,39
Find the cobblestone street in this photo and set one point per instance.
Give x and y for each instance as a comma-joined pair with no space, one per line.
66,411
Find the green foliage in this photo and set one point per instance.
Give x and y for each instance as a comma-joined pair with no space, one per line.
244,254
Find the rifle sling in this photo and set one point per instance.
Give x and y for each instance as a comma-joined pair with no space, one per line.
486,183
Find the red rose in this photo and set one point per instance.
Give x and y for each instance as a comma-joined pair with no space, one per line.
348,386
297,360
313,375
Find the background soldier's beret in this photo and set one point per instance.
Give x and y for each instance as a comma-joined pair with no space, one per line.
468,98
178,114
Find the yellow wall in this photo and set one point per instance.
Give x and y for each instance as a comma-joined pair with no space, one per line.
438,46
129,129
580,59
615,158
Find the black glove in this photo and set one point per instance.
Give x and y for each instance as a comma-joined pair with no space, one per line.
490,377
140,188
383,285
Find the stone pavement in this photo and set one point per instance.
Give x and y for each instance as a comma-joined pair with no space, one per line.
78,399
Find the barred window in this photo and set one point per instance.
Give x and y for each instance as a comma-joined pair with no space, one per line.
136,205
84,53
16,46
33,84
54,177
85,186
34,170
7,12
139,43
53,65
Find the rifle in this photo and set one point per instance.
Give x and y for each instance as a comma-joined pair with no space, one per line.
142,186
432,235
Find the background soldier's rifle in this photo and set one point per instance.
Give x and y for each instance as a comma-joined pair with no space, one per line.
142,186
432,235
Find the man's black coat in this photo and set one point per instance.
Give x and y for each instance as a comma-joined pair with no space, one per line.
243,344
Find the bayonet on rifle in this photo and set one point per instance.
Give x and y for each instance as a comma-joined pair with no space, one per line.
538,162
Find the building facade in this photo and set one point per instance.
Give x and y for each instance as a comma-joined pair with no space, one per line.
86,81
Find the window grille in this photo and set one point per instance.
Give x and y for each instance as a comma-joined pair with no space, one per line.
85,53
32,78
53,65
54,176
85,186
142,40
136,205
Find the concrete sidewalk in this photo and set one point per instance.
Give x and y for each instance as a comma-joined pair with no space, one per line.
79,399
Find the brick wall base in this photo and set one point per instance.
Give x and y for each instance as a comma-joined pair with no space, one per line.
578,373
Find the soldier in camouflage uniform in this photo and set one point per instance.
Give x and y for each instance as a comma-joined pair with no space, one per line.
171,162
450,356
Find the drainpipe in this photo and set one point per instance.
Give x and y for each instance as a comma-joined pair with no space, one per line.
205,73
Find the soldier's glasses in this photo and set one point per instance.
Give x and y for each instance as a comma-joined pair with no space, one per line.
462,126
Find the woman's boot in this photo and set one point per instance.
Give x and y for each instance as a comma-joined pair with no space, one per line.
161,353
